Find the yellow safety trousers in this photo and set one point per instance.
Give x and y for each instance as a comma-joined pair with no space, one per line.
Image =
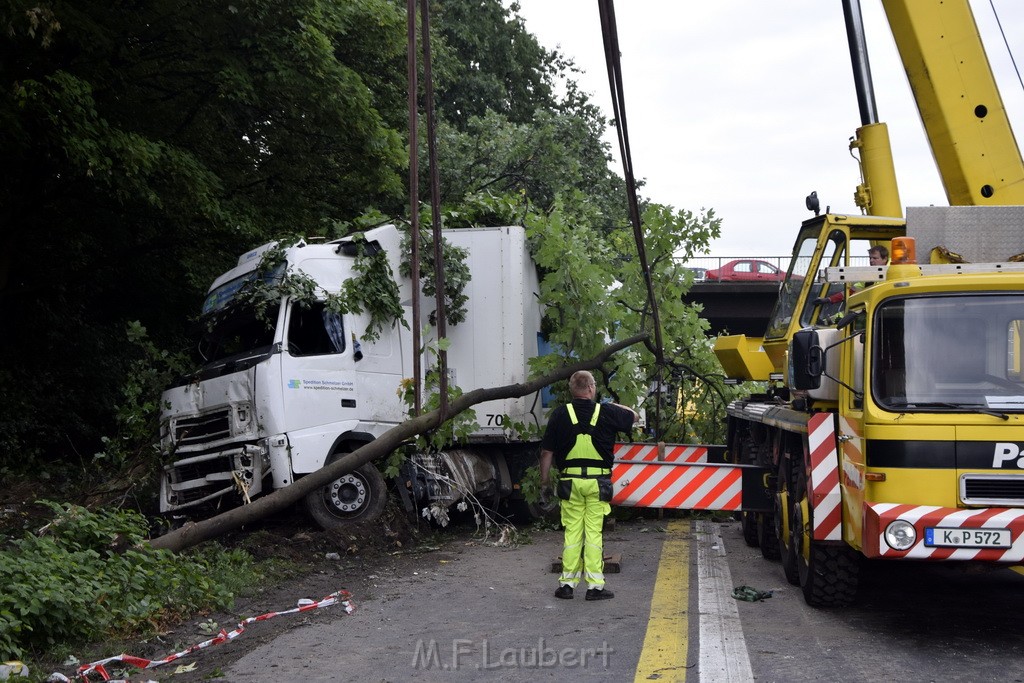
583,517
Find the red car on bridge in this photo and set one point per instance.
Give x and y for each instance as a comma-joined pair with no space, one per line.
746,270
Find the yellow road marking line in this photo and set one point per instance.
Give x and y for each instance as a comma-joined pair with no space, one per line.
663,657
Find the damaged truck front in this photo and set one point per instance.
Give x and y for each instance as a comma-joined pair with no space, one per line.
288,384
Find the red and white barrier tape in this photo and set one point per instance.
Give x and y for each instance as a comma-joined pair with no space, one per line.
342,597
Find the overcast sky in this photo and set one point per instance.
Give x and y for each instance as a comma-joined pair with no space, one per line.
745,106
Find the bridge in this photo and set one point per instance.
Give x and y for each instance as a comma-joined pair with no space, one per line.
741,307
736,307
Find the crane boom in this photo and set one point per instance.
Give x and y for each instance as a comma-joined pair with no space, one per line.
963,114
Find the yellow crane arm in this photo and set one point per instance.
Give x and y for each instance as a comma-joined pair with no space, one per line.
963,115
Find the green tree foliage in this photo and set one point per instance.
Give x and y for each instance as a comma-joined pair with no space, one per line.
90,573
454,268
145,146
556,153
594,293
492,64
512,118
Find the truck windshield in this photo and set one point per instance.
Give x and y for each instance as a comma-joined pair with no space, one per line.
238,332
225,293
950,353
235,333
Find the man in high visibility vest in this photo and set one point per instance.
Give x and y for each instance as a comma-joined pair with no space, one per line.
579,439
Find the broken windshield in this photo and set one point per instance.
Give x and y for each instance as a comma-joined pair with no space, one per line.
225,293
238,332
234,327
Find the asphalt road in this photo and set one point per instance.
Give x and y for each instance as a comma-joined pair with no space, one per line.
472,611
911,622
479,612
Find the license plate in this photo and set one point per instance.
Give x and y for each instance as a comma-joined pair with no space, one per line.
967,538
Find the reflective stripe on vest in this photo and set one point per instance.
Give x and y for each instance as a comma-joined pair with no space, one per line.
584,448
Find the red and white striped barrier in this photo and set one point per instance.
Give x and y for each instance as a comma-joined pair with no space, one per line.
678,486
877,516
826,499
660,452
341,597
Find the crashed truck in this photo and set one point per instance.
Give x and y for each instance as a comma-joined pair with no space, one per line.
283,392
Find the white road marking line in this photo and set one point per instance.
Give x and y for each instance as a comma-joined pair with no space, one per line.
723,651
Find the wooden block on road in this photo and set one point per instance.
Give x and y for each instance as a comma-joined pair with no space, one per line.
612,564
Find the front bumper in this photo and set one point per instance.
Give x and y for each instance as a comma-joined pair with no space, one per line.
877,516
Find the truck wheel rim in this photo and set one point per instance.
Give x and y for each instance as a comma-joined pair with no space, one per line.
348,493
801,530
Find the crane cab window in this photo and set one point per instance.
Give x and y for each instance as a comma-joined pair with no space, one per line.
839,252
789,291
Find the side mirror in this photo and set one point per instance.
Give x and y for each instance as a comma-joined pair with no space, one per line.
806,360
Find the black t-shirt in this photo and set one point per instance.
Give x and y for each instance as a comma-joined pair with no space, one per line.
560,435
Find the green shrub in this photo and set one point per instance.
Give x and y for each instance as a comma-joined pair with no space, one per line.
90,573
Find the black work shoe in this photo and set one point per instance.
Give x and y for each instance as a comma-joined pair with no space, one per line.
565,592
599,594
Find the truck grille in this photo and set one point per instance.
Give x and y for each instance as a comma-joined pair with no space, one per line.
1005,490
202,479
203,428
196,478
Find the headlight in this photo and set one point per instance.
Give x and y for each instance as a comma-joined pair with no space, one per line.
900,535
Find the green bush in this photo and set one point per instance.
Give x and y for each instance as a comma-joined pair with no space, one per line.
90,573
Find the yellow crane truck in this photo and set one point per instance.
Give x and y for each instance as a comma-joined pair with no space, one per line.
892,426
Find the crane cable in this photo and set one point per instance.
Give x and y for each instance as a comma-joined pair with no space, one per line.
435,202
611,53
1006,42
609,31
414,197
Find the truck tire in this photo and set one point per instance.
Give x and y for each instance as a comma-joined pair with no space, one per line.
749,523
749,519
828,573
521,512
784,525
829,576
358,496
766,537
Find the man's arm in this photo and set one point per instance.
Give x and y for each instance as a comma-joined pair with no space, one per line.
546,458
636,415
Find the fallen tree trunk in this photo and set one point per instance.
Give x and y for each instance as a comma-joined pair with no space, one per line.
194,533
